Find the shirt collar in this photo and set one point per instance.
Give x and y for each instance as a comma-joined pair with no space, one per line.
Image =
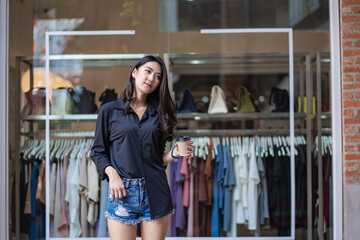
119,105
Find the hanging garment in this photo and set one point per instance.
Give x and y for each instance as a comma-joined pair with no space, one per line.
102,227
242,205
40,189
176,179
57,210
63,226
278,179
185,171
301,187
263,205
27,209
52,190
93,195
208,171
200,197
37,226
203,196
229,183
179,180
196,198
215,213
72,194
190,229
24,218
221,177
254,180
236,204
83,191
173,189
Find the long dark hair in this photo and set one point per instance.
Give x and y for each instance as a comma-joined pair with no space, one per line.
160,98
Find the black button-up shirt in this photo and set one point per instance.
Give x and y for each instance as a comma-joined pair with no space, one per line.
134,147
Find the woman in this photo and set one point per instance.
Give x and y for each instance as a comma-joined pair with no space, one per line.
128,151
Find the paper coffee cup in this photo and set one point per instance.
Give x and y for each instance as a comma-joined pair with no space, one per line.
183,143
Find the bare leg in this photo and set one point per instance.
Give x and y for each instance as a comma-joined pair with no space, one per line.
119,230
155,230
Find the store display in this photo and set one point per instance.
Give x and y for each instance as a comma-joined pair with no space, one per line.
62,101
201,107
245,104
231,104
187,103
249,179
74,189
220,178
217,102
36,101
281,99
107,96
84,101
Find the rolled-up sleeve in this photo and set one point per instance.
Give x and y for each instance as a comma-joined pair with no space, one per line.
100,153
162,147
162,150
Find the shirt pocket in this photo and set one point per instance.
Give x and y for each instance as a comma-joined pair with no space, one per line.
118,130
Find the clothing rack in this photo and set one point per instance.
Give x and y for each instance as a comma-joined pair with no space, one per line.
236,132
83,134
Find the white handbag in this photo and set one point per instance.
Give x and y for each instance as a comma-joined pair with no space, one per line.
217,103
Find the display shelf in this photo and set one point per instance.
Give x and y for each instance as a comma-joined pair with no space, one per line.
326,115
235,132
180,116
70,117
242,63
187,116
87,60
89,134
237,116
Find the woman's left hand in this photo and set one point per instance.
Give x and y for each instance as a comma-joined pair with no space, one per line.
190,149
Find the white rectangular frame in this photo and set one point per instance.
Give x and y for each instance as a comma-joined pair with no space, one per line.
336,121
335,101
4,119
49,57
289,31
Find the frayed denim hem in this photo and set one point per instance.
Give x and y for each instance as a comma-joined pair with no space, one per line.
172,211
128,221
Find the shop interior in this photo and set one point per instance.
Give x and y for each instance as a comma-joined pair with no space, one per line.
248,72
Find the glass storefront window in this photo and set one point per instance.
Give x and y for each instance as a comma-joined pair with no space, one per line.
192,15
246,67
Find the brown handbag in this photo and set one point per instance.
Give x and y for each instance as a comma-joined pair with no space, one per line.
36,101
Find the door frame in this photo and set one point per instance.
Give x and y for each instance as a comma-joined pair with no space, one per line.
4,113
336,101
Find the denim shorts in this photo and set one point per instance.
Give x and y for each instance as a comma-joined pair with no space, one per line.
134,207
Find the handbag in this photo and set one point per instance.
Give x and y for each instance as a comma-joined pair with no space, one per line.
84,101
107,96
187,103
217,102
201,107
281,99
36,101
245,104
231,104
62,102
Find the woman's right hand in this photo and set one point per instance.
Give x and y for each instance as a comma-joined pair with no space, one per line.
116,184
